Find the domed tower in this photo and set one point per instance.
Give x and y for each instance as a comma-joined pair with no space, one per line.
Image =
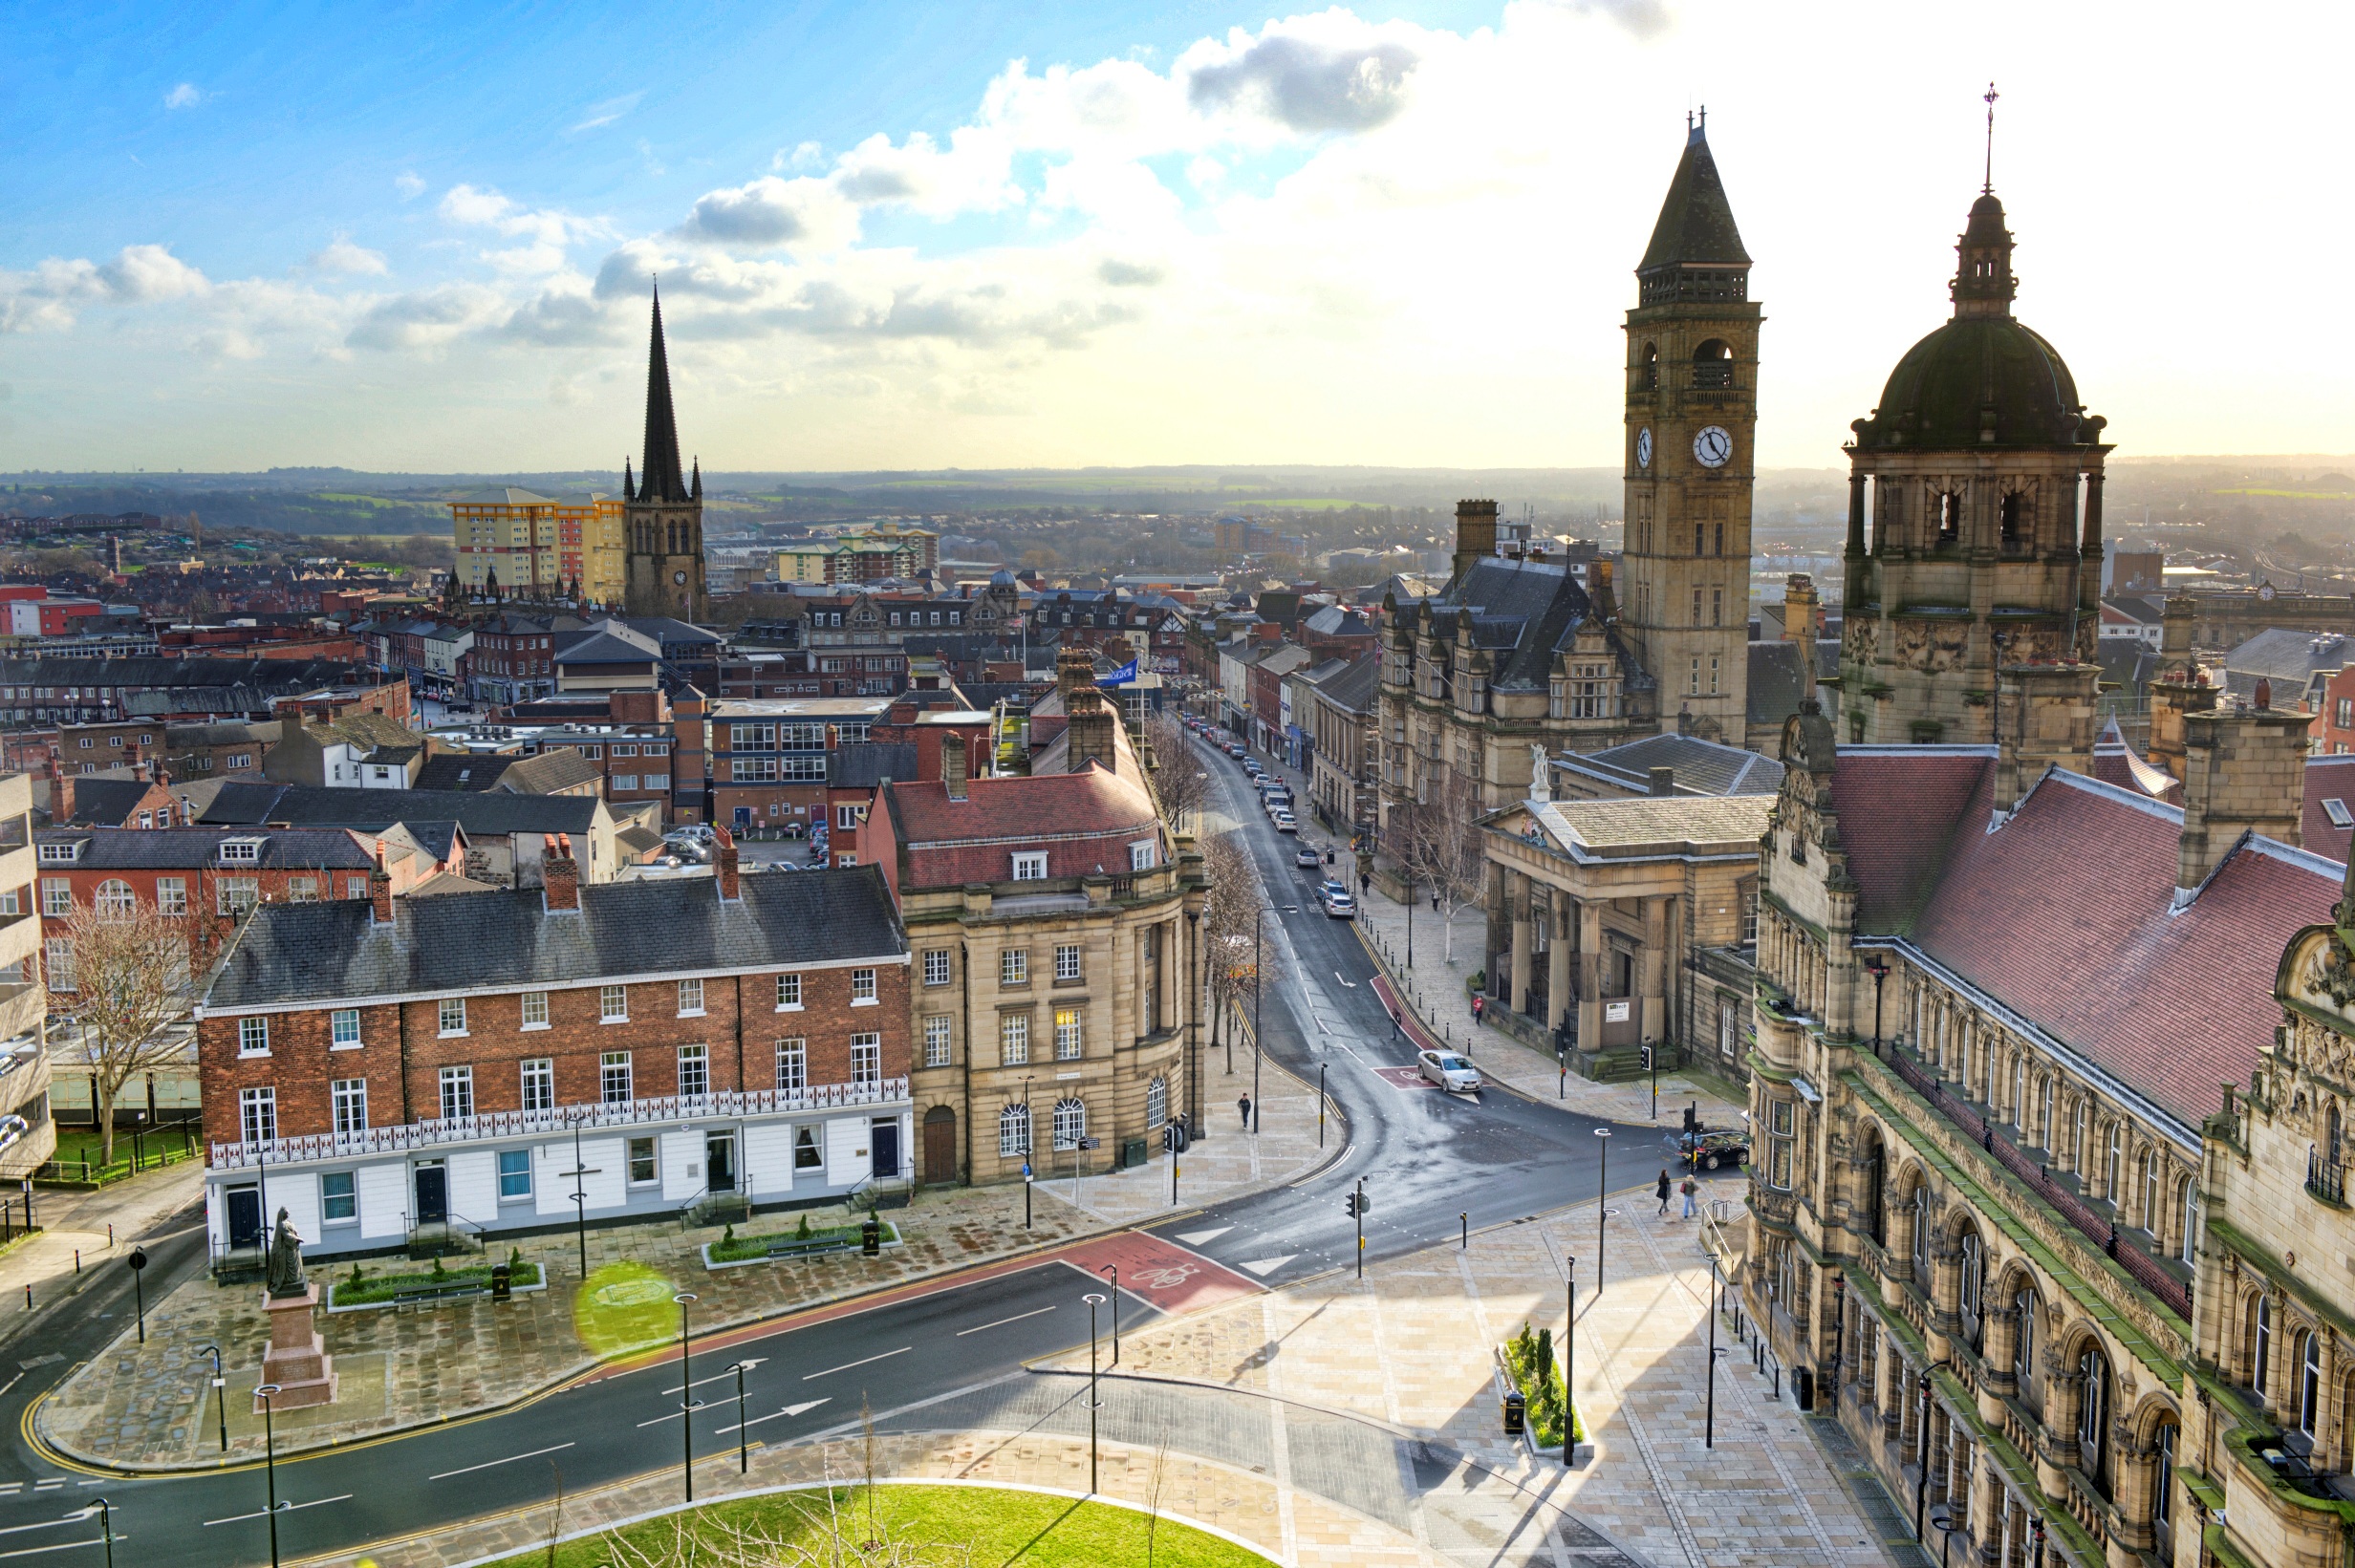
1692,410
1982,552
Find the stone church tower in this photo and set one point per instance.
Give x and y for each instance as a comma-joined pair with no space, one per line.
662,514
1691,411
1982,555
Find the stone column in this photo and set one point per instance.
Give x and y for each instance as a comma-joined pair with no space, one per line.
1499,929
1561,945
1856,515
1651,972
1516,897
1590,976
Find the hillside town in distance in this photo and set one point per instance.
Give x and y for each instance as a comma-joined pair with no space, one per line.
1695,1014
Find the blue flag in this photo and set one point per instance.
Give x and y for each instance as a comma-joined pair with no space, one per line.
1120,677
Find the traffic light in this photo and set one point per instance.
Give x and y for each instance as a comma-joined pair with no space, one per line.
1692,1119
1348,1205
1647,1059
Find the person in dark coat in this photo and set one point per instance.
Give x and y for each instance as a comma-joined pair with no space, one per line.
1244,1104
1661,1191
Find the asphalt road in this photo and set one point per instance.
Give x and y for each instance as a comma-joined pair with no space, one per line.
1427,1158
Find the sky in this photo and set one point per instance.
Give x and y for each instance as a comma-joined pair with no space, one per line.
987,235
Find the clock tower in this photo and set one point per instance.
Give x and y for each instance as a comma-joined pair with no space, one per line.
1691,411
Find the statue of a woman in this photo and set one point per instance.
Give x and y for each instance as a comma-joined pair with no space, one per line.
286,1260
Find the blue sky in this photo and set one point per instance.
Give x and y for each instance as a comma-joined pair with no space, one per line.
994,234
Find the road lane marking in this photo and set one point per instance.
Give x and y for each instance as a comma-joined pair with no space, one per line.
1266,1266
59,1546
283,1507
1001,1322
863,1361
1194,1238
491,1464
776,1415
730,1371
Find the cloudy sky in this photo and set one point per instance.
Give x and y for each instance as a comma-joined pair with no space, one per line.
1006,233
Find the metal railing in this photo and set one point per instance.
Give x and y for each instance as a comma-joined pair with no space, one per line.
2325,1178
458,1129
2102,1231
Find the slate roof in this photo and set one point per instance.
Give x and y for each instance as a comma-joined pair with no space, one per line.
1696,221
307,954
1083,821
1527,610
2064,913
1670,824
2295,662
610,644
1774,690
465,770
1355,687
104,803
864,764
1703,767
481,815
276,676
175,848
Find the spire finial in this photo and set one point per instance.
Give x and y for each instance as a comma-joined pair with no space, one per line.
1988,187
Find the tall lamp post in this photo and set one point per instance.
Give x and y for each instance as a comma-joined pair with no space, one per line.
1602,1189
1569,1363
580,1174
1093,1300
266,1392
1878,968
1113,1269
105,1510
1026,1146
688,1404
743,1445
220,1393
1259,983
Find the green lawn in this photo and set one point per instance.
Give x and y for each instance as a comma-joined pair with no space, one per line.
928,1527
735,1249
78,1145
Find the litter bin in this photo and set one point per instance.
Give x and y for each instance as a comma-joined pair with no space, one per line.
871,1236
1803,1387
1516,1413
501,1281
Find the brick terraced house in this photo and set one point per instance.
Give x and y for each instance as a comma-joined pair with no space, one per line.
390,1070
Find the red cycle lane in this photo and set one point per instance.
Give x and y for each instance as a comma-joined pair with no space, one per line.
1168,1277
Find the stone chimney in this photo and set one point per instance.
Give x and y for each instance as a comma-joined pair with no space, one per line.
1663,780
2045,718
2176,697
1074,670
559,874
1802,620
1090,732
2244,772
1476,532
379,891
60,791
731,883
953,764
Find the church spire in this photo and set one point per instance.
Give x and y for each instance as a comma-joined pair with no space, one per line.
664,480
1695,251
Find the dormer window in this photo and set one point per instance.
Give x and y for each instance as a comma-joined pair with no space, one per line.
1031,865
62,854
242,851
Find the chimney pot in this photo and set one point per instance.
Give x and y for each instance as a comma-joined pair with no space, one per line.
2243,772
559,876
1663,780
731,883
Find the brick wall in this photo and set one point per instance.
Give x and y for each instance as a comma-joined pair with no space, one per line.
740,1026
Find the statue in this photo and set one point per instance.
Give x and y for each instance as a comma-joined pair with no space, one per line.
286,1261
1541,774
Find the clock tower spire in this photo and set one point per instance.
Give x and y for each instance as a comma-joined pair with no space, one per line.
1691,411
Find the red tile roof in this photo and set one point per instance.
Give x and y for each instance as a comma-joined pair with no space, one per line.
2063,915
1085,821
1898,808
2327,779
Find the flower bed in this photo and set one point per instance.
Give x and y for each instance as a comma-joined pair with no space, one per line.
805,1242
1529,1364
362,1289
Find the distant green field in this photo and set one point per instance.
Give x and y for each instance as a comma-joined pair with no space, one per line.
2289,495
354,500
1319,504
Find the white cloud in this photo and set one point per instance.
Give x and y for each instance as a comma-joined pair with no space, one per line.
1314,74
409,185
769,213
341,255
183,97
606,112
430,319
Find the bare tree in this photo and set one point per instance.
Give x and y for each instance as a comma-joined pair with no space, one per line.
1178,776
129,978
1440,843
1230,920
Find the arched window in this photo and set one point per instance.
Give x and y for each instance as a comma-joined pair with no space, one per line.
114,900
2077,1138
2162,1481
1013,1131
2309,1381
2024,1341
1970,1282
1872,1176
2154,1206
2093,1417
2113,1163
2019,1091
1649,378
2260,1343
1921,1235
2188,1237
2043,1115
1713,365
2012,521
1070,1123
1156,1102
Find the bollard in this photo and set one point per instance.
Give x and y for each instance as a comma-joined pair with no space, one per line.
77,1261
28,1298
110,1239
1465,1220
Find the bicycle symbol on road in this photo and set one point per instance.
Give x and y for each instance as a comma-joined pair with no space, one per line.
1168,1277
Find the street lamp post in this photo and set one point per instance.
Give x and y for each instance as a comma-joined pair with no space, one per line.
1026,1146
1709,1426
1601,1187
1878,968
220,1393
688,1404
580,1174
1942,1518
105,1510
1320,1105
743,1443
266,1392
1093,1301
1259,985
1921,1484
1113,1269
1569,1363
139,1287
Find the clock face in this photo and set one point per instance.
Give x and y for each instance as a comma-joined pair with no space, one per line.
680,578
1712,446
1643,447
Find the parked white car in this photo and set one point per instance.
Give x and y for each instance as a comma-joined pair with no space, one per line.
1451,1072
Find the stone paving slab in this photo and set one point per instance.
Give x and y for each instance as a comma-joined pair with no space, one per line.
135,1407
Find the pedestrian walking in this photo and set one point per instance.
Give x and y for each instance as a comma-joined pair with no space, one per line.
1244,1104
1662,1191
1479,1005
1690,1186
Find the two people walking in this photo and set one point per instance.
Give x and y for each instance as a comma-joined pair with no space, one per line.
1688,1187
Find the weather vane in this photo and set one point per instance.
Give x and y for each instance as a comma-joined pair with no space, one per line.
1989,96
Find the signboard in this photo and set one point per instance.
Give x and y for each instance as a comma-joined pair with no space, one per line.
1616,1012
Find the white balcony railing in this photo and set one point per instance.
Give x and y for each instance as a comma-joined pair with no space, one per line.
525,1124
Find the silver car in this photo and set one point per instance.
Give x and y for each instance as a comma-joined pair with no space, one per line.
1453,1073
